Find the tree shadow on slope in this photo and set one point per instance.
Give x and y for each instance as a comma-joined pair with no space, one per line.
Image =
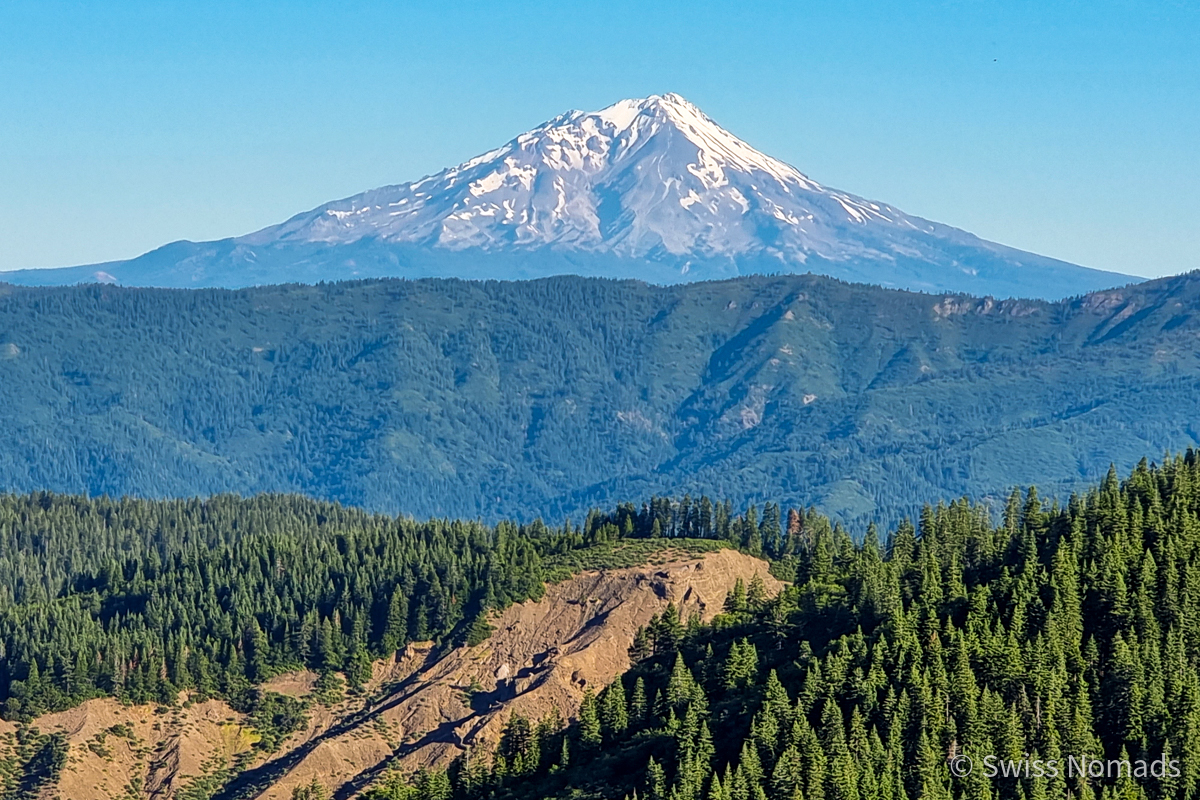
253,781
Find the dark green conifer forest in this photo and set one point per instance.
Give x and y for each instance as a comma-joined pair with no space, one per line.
140,599
513,400
1036,632
1061,631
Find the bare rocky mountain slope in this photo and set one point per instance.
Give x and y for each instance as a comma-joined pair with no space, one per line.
419,710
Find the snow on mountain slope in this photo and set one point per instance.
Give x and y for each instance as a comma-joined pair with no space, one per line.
639,178
650,189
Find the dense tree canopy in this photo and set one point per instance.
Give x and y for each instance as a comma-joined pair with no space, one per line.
544,398
1062,631
141,599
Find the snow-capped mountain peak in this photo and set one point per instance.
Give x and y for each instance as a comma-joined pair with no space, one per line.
714,144
640,178
651,189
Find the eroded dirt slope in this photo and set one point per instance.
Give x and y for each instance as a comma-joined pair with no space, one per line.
420,710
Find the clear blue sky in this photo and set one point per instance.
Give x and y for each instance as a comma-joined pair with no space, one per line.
1067,128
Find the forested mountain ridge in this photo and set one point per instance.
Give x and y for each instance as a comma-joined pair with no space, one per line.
548,397
1064,632
141,599
166,648
1060,631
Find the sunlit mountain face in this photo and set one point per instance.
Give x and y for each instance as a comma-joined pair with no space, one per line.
650,189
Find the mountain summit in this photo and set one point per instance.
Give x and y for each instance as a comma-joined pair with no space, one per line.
642,179
648,188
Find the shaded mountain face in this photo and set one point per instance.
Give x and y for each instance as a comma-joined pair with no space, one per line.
650,189
544,398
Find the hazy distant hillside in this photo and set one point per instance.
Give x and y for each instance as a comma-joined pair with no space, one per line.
546,397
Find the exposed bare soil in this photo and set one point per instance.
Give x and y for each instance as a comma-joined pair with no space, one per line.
421,709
